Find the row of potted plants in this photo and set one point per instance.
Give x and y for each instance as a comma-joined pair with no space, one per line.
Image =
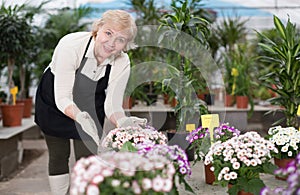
138,161
237,160
26,50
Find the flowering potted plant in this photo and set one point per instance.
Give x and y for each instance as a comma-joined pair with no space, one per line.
238,162
287,141
291,171
129,173
117,137
201,141
175,154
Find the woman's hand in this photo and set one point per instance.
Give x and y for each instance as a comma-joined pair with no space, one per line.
131,121
88,125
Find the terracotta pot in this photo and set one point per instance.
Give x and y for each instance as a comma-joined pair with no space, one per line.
209,175
240,192
201,96
27,106
166,99
12,114
242,101
173,102
209,98
128,102
282,163
229,100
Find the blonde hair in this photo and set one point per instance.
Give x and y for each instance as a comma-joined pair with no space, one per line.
123,20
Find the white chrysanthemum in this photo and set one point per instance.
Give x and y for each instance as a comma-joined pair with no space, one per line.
158,184
225,170
146,183
168,184
233,175
220,176
115,182
284,148
227,177
92,190
236,165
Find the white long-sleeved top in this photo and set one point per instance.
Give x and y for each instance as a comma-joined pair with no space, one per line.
66,59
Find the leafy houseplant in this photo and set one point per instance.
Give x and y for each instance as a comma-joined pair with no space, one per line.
239,161
180,21
16,42
284,54
113,173
15,37
242,70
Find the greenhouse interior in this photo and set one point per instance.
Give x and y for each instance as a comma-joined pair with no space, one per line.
169,97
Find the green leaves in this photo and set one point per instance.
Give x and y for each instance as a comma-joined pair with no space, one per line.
128,147
284,53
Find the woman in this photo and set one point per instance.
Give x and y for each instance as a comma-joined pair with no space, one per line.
84,82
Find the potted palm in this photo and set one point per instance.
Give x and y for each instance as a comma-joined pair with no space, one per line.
283,54
15,39
174,28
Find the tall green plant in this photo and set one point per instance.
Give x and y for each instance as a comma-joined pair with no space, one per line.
148,13
15,37
181,21
285,75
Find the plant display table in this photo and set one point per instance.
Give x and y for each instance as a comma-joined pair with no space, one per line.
161,116
11,149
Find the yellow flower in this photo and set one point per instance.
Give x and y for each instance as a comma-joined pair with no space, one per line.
234,72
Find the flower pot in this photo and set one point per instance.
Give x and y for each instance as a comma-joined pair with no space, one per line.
209,98
242,101
175,138
173,102
240,192
282,163
12,114
128,102
229,100
27,106
209,175
166,98
201,96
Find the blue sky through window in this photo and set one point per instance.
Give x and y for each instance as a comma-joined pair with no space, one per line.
223,8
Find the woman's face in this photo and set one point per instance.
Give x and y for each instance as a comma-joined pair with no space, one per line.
109,41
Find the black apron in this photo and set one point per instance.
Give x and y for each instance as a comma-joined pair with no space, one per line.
88,95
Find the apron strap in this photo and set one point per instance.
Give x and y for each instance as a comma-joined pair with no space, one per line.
83,57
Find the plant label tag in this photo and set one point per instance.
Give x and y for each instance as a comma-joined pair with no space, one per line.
210,121
298,111
14,92
190,127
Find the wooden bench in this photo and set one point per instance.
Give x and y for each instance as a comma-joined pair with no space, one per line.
11,148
